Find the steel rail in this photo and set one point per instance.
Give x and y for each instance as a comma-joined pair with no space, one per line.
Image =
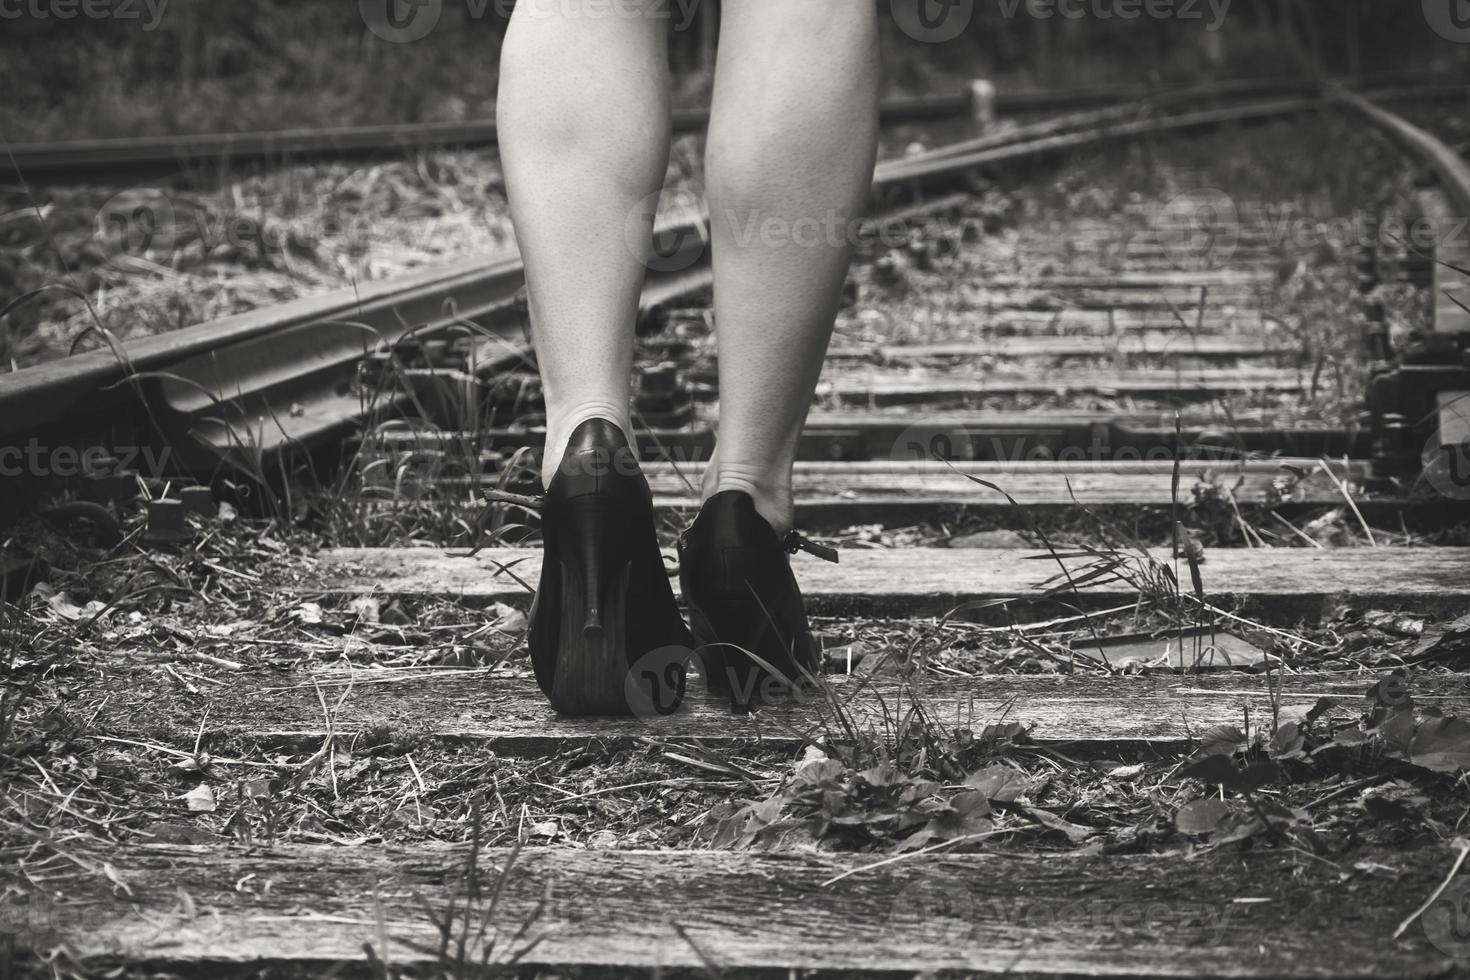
1451,168
202,359
93,382
982,152
133,157
1417,405
284,374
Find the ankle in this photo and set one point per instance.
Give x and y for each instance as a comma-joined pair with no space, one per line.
771,493
561,425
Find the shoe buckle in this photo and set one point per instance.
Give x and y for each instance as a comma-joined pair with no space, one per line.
796,541
494,496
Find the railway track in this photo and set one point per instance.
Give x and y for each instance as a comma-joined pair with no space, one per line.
213,153
1083,426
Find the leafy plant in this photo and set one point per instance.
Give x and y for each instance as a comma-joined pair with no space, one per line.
1390,729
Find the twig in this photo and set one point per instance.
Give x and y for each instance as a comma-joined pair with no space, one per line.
923,850
193,655
1342,488
1297,531
182,683
1253,624
200,737
423,790
1023,627
1464,846
214,761
1350,788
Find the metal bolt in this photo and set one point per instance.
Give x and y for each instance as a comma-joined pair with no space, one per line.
166,523
199,500
662,379
1393,452
104,483
982,103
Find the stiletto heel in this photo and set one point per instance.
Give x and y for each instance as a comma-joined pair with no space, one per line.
753,640
592,654
587,520
604,610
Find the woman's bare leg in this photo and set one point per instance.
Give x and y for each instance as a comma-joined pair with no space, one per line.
583,117
789,167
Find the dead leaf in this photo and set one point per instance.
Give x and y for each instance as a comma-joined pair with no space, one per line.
308,613
1288,742
1399,624
819,771
508,619
1221,740
997,782
366,607
883,774
259,788
1129,771
1201,816
66,609
1448,642
1076,833
200,799
1441,744
1397,731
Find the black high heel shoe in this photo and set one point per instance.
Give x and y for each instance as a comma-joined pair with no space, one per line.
755,644
605,633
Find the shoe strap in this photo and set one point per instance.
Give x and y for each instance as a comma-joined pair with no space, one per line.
796,541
